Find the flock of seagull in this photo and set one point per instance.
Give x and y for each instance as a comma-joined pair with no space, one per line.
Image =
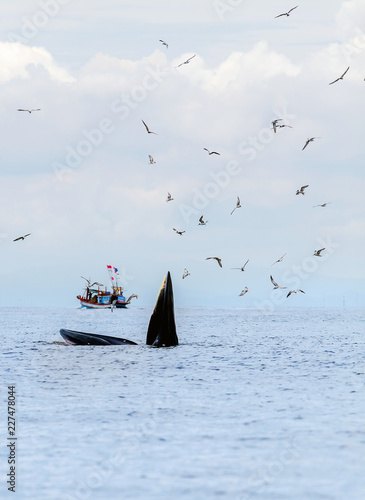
275,126
202,222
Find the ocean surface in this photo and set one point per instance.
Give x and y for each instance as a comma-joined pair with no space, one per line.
250,405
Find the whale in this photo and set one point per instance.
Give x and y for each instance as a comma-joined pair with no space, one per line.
161,331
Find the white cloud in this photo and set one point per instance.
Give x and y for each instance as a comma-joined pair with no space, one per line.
16,58
351,14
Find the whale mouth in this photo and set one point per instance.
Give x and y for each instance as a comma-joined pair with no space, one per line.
162,329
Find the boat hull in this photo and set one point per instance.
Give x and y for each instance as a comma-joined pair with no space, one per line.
90,305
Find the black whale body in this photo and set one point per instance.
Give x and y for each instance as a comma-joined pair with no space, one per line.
82,338
161,329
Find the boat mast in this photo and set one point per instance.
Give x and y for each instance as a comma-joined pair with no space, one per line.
113,274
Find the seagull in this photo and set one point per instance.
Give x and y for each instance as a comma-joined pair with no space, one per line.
341,77
309,140
152,161
29,110
281,126
275,284
294,291
245,290
89,284
22,237
317,253
286,13
178,232
238,205
148,130
323,204
279,260
169,197
164,43
217,259
133,296
202,222
187,61
301,190
186,273
275,124
241,268
211,152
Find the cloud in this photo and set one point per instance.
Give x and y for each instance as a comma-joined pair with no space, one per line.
351,14
16,59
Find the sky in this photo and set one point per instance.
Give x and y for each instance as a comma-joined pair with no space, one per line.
76,174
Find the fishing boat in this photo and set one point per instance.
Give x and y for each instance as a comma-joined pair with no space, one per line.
101,297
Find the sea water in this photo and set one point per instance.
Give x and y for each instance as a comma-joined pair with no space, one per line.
250,405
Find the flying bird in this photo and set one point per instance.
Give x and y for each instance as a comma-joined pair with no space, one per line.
286,13
169,197
281,126
133,296
211,152
148,130
22,237
245,290
186,273
294,291
178,232
217,259
279,260
241,268
323,204
238,205
152,161
29,110
301,190
276,286
202,222
275,125
341,77
164,43
89,284
308,141
317,253
187,61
